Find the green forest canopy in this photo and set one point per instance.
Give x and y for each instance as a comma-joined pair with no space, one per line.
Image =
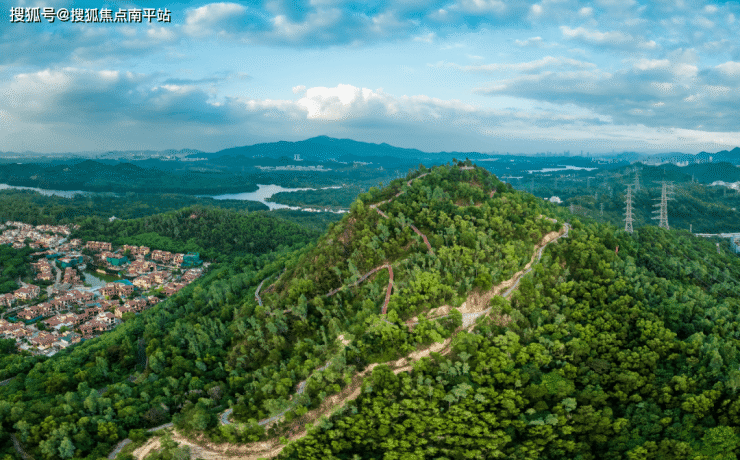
609,355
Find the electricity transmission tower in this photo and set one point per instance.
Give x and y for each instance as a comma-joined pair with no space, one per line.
663,205
637,180
628,214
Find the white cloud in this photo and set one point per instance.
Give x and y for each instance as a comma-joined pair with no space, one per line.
160,33
648,45
586,12
650,64
212,17
595,36
533,41
342,102
703,22
479,6
428,38
730,69
547,61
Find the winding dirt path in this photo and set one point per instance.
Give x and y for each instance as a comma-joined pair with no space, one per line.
475,306
416,230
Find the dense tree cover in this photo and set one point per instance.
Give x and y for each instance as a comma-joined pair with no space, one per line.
212,346
167,360
611,355
214,233
37,209
280,343
332,198
14,265
318,221
227,174
95,176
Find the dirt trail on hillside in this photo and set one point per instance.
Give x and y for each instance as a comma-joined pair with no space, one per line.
475,303
480,301
202,448
143,451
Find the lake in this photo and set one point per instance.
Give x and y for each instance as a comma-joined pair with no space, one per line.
265,192
62,193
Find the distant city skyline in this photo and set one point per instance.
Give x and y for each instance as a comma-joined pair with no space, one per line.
454,75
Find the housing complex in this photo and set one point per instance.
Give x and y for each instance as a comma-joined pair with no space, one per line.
61,310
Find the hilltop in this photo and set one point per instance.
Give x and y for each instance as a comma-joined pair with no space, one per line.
446,315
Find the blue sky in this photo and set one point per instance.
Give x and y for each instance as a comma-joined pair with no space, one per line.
484,75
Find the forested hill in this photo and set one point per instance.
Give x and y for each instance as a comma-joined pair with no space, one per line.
590,343
217,234
95,176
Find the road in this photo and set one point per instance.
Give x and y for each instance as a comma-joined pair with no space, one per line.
58,279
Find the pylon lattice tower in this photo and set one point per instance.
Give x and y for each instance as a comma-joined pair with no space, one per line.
637,180
628,214
667,189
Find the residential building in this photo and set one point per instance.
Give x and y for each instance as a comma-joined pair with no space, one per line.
28,292
99,246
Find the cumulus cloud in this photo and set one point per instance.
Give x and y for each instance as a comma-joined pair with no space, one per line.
667,92
479,6
655,53
533,41
117,103
730,69
614,38
221,19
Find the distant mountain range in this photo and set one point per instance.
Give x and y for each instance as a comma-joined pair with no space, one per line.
324,148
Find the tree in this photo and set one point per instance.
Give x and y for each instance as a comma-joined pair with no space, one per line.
66,448
720,443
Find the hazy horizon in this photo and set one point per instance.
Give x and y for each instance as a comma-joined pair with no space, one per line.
547,153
